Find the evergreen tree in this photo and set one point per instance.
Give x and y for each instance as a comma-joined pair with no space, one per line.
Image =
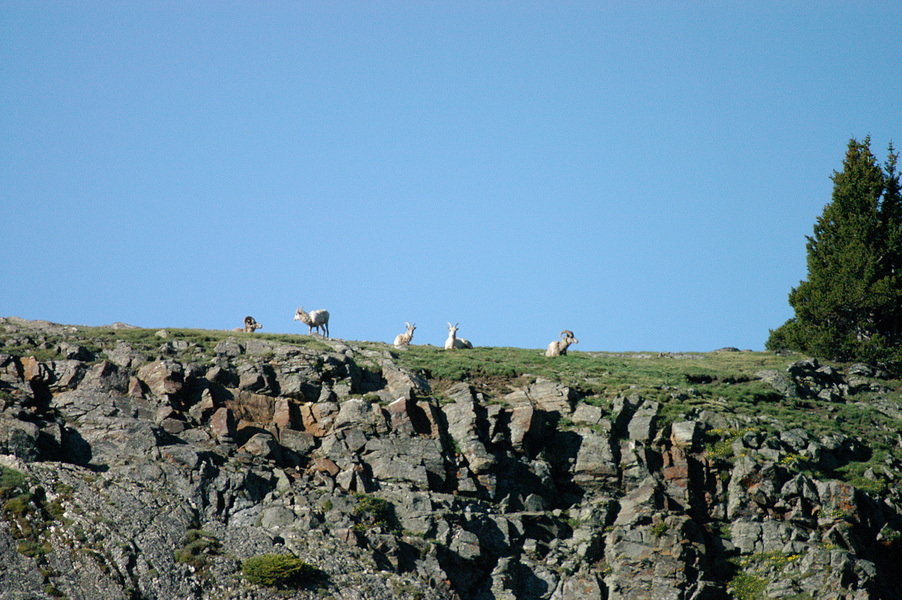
891,211
850,306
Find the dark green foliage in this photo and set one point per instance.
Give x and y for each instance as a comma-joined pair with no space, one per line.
12,483
199,546
19,507
32,549
17,502
375,512
26,509
277,570
850,307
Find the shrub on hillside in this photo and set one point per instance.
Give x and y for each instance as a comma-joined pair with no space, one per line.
277,570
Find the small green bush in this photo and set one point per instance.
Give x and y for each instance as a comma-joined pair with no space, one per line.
12,482
374,512
33,549
198,546
660,528
277,570
19,507
747,587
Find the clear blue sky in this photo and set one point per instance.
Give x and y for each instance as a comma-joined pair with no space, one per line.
643,173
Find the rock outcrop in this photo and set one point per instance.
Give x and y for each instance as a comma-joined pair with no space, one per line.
153,474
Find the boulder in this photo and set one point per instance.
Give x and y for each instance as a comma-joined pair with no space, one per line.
413,418
526,427
124,355
222,423
781,382
403,383
587,413
358,413
163,378
544,395
641,425
686,435
595,462
263,445
299,442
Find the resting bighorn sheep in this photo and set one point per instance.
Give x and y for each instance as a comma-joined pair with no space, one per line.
250,325
559,347
317,318
402,339
453,341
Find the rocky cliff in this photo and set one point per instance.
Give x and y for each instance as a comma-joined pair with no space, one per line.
157,464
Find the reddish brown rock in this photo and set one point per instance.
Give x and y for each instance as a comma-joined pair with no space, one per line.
222,423
321,464
136,388
33,369
676,475
285,414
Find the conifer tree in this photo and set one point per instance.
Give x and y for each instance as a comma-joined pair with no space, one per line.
891,211
849,307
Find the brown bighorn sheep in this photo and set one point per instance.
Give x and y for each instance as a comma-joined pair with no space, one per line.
250,325
453,341
559,347
317,318
402,339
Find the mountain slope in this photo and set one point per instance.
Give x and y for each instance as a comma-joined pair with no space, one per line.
155,464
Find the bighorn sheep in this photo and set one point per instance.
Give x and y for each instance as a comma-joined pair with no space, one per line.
559,347
250,325
402,339
453,341
317,318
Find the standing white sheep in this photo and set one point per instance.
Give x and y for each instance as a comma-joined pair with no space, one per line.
559,347
403,339
453,341
317,318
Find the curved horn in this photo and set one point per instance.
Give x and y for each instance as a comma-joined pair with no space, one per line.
408,324
567,332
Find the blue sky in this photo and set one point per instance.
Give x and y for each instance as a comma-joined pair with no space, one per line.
641,173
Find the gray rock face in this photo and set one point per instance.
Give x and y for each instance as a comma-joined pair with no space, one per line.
155,476
468,429
401,383
595,460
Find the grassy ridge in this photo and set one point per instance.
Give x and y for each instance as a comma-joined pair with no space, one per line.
723,382
684,383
